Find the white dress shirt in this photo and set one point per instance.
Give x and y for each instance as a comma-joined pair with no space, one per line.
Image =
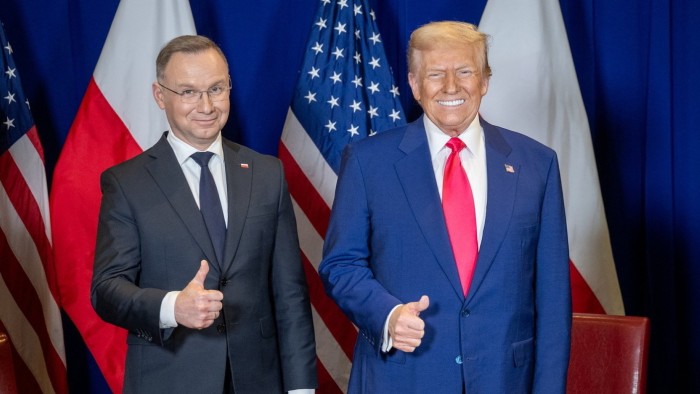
473,159
192,170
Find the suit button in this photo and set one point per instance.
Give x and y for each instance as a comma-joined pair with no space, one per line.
221,328
223,283
466,312
458,359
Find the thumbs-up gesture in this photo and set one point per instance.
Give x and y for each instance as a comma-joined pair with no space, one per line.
195,306
406,328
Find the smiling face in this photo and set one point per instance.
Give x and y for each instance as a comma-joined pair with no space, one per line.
197,124
448,83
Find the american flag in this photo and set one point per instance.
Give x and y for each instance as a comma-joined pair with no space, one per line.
345,93
29,312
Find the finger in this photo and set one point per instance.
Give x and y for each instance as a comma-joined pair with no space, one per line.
408,345
404,348
416,307
214,306
201,275
416,327
214,295
423,303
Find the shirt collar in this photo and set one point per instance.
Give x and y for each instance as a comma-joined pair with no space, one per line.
472,136
183,150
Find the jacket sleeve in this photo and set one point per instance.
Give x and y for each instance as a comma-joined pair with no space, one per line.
346,267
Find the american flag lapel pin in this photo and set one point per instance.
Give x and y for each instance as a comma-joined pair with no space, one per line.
509,168
244,165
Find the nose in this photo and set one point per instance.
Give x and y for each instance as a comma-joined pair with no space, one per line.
450,83
205,105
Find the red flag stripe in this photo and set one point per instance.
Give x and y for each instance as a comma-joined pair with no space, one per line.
24,203
326,383
304,193
76,190
335,335
343,331
33,327
24,380
309,159
33,136
583,298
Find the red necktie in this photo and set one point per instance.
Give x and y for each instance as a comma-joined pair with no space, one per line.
460,216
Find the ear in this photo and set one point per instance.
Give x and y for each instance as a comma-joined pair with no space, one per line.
485,85
158,95
414,84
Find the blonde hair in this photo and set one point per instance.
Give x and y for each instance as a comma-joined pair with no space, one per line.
447,33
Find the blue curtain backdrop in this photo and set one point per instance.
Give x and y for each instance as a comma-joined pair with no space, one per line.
637,65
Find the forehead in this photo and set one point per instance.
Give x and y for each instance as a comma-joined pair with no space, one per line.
195,67
456,55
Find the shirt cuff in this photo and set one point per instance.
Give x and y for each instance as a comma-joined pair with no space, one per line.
387,342
167,310
302,391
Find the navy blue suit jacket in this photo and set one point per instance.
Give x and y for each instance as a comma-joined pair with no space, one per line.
387,244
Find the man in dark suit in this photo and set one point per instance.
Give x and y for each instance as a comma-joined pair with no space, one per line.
203,316
452,261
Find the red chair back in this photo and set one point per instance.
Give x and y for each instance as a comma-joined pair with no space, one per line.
8,383
608,354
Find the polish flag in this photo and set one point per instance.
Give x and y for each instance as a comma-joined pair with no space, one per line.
534,90
117,120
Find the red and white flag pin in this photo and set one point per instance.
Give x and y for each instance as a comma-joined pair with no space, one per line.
509,168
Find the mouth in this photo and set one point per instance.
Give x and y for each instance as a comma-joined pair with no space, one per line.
451,103
206,121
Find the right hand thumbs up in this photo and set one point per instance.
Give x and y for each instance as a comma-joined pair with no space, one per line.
195,306
406,328
201,274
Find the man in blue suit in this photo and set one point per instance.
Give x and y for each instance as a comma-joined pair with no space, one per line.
504,325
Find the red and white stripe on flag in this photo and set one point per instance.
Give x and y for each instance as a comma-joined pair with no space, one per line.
29,308
534,90
312,188
117,119
345,93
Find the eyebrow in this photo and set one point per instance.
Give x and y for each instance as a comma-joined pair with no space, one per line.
190,86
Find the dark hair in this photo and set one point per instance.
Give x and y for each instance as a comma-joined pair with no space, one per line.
185,44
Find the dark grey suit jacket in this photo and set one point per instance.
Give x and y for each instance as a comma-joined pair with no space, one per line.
151,238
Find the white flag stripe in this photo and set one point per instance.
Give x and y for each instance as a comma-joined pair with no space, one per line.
534,90
22,333
133,101
123,78
330,354
309,158
310,241
31,167
328,350
26,253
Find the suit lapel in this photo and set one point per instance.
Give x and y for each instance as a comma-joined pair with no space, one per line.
415,172
239,177
501,199
167,173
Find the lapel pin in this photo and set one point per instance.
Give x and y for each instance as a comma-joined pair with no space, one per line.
244,165
509,168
